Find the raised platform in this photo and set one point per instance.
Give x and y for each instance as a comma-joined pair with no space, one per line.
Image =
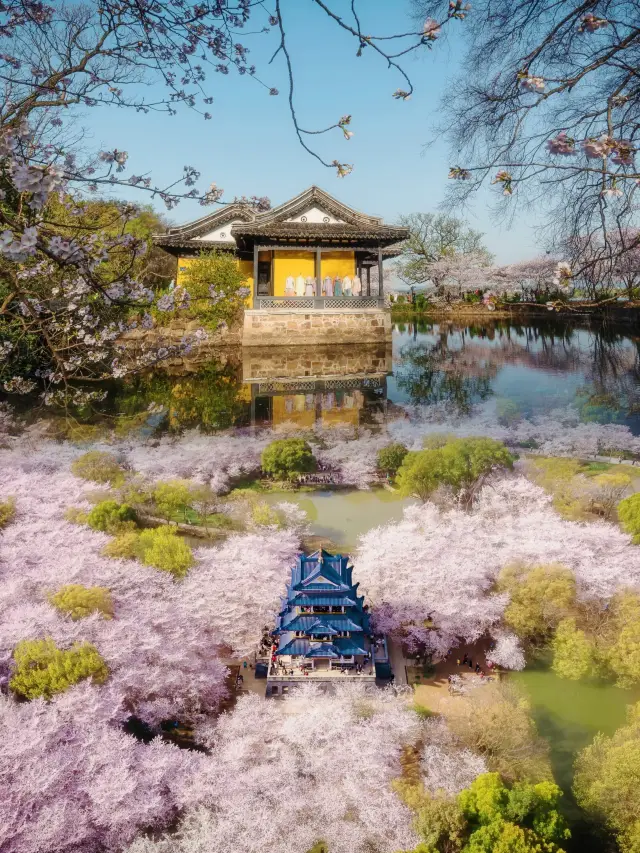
283,326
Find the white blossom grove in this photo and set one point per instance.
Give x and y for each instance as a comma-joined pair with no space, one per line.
284,775
445,766
72,781
560,432
161,647
441,566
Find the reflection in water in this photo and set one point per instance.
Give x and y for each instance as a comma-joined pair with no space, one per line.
528,370
327,386
212,397
534,368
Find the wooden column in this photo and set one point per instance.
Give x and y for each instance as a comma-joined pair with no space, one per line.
379,272
368,281
318,272
255,274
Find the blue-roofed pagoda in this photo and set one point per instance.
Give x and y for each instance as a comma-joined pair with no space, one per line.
323,626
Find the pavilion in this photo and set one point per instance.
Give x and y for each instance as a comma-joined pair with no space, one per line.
323,627
307,266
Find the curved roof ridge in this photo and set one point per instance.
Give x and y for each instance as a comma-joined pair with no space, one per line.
235,210
317,195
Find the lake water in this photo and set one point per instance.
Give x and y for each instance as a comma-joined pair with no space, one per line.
526,370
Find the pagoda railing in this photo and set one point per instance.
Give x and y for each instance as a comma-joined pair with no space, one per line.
315,303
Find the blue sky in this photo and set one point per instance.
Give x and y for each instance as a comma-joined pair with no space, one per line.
249,147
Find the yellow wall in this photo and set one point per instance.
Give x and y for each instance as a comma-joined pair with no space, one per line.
291,263
338,263
246,268
304,418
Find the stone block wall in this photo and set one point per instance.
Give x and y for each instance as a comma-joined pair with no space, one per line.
344,326
265,363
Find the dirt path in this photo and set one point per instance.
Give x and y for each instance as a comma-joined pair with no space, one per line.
433,692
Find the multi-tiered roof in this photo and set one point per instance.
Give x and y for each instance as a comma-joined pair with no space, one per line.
322,615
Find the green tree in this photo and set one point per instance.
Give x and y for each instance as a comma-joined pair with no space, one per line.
540,597
518,818
99,467
42,669
163,549
172,497
607,783
287,457
125,546
216,289
111,517
462,465
79,601
629,515
623,649
441,824
390,458
574,652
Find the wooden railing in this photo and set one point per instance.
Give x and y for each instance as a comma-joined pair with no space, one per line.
315,303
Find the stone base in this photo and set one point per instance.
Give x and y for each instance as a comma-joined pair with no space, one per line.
321,361
308,326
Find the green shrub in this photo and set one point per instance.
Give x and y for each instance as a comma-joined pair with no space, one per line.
629,515
163,549
172,498
287,457
461,465
210,304
391,457
42,669
574,652
79,601
111,517
7,512
99,467
521,818
123,547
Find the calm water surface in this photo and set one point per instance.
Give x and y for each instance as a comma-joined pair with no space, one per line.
341,517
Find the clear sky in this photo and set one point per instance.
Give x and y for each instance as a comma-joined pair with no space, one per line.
249,147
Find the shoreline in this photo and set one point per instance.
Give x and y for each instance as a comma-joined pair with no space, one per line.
624,313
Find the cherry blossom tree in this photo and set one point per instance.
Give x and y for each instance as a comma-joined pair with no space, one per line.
433,240
164,644
271,779
71,780
429,577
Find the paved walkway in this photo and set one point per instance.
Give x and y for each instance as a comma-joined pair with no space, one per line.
397,661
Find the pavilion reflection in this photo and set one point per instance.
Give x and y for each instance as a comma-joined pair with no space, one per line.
326,385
